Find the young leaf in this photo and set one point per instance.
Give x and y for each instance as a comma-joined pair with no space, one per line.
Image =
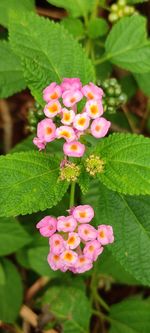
12,236
130,316
11,75
29,182
11,292
69,305
21,5
75,8
127,163
49,52
74,26
129,217
127,45
97,27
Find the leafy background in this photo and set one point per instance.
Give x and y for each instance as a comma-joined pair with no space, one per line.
74,38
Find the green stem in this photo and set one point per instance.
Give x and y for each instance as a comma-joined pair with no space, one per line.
100,315
101,60
72,193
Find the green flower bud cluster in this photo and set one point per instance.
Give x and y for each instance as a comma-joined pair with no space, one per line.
94,165
120,9
35,114
114,97
70,172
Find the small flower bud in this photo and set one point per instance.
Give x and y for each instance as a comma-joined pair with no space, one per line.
94,165
70,172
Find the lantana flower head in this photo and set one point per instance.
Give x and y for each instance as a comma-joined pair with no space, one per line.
74,245
64,108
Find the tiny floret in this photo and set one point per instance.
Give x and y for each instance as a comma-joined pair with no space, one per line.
94,165
70,172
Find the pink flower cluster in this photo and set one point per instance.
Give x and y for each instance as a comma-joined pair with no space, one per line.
74,243
61,106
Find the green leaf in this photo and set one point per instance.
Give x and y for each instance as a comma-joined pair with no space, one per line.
129,217
12,236
11,293
11,75
70,305
127,45
74,26
29,182
21,5
75,8
133,2
130,316
47,50
143,82
97,27
127,163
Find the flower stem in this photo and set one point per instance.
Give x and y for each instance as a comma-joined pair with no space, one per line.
72,193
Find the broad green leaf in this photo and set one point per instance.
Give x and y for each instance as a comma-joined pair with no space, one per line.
2,275
12,236
130,217
11,293
112,271
70,305
11,75
21,5
127,163
97,27
75,8
130,316
49,52
143,82
127,45
29,183
74,26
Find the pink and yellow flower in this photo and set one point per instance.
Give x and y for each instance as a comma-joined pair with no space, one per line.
67,116
94,109
100,127
39,143
65,132
52,109
71,84
91,91
81,121
105,234
73,241
92,250
82,264
57,243
69,257
74,149
87,232
71,97
66,223
55,262
52,92
46,130
83,213
47,226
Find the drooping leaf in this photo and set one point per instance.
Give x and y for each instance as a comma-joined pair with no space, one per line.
97,27
127,45
11,75
29,182
21,5
129,217
12,236
49,53
127,163
11,292
130,316
70,305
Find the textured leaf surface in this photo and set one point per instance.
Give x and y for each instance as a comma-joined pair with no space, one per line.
10,292
70,305
130,316
75,8
127,45
29,182
130,218
5,6
127,163
49,53
11,75
12,236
